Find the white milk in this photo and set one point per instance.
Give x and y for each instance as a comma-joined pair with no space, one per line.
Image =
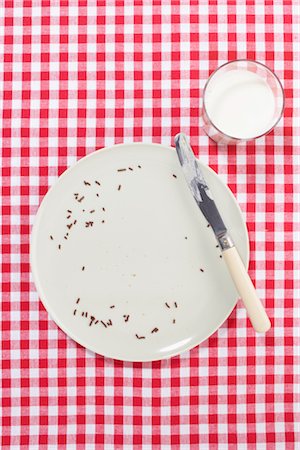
240,103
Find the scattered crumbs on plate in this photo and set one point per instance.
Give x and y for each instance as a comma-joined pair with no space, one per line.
103,323
112,306
74,312
97,182
130,168
89,224
59,246
126,317
140,337
139,166
92,318
168,306
201,270
78,300
51,237
86,183
122,170
119,187
83,268
175,304
174,321
155,330
175,176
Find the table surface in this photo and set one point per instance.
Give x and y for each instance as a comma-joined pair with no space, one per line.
77,76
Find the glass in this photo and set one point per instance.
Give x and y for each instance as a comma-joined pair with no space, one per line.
242,100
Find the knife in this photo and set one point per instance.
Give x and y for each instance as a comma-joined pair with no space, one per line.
200,190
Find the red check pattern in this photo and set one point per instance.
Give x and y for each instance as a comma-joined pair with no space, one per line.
79,75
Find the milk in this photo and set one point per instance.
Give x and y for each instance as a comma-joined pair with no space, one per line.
240,103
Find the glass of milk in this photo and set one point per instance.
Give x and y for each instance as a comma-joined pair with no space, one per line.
242,100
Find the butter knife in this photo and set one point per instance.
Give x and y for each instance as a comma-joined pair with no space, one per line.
200,190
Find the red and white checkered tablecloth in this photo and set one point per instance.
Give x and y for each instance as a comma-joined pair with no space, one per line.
79,75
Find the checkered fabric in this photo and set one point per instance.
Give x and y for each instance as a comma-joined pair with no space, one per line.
79,75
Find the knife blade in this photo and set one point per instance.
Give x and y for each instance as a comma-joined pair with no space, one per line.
202,195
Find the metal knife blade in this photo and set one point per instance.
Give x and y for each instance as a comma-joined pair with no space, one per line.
200,190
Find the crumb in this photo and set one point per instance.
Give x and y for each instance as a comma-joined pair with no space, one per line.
112,306
103,209
175,176
174,321
87,183
139,167
155,330
175,304
119,187
83,267
78,300
59,247
167,305
74,312
130,168
97,182
51,237
103,323
139,337
201,270
122,170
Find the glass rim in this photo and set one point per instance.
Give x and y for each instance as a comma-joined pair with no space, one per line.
265,67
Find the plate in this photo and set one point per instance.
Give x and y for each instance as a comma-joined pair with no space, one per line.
124,261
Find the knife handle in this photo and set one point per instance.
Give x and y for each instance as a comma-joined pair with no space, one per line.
256,312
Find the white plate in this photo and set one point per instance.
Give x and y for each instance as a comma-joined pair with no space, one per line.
146,269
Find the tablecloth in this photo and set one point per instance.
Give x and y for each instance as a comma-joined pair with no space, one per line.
79,75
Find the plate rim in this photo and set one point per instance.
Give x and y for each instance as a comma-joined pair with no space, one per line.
33,265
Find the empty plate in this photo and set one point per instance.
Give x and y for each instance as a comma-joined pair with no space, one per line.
124,261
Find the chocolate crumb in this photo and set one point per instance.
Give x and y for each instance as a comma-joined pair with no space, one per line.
74,313
78,300
82,314
112,306
139,337
75,221
89,224
69,226
92,318
66,238
51,237
174,320
109,323
155,330
68,217
126,317
97,194
86,314
175,176
69,211
167,305
87,183
122,170
201,270
130,168
139,167
97,182
208,225
96,322
217,246
92,211
59,247
221,256
83,267
103,323
103,209
81,198
175,304
119,187
185,237
103,221
83,210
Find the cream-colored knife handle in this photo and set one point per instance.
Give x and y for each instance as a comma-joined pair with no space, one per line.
256,312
